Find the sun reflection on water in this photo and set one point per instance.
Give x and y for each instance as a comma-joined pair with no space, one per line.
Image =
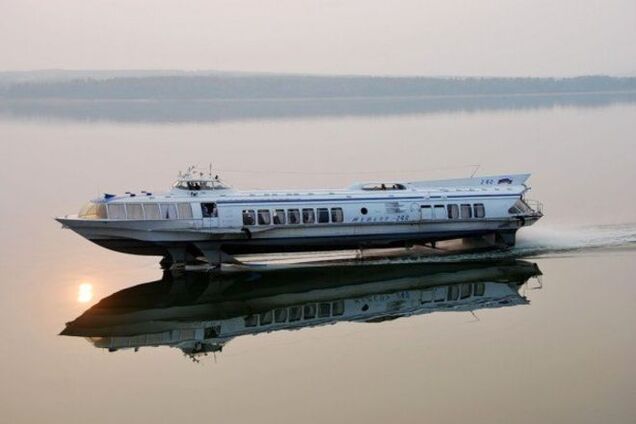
85,293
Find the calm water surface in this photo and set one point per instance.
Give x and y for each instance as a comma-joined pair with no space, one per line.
561,349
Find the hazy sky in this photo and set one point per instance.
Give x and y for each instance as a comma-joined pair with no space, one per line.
445,37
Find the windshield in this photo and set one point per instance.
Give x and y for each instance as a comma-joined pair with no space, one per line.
200,185
93,210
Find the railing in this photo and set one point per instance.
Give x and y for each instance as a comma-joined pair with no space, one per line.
535,205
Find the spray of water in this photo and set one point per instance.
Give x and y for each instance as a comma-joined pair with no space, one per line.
546,241
536,241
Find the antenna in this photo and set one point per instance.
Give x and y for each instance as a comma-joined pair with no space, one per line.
474,170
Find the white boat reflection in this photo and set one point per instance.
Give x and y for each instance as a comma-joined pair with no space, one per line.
200,312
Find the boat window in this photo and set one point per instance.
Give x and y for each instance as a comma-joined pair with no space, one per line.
383,186
453,292
338,307
323,215
266,317
116,211
466,289
364,211
480,289
168,211
209,210
151,211
185,210
134,211
294,313
93,211
249,217
427,212
466,211
324,310
440,212
337,215
264,217
309,216
453,212
480,210
293,216
280,315
251,320
279,217
309,311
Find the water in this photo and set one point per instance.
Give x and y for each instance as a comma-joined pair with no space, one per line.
564,354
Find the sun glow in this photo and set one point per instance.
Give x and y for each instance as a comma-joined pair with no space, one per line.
85,293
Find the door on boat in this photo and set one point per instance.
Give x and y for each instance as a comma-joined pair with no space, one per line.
209,215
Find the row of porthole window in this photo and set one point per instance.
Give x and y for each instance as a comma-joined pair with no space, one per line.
296,313
146,211
292,216
454,292
463,211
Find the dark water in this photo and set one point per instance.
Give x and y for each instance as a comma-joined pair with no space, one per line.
554,343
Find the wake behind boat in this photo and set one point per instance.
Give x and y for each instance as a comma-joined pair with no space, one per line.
203,217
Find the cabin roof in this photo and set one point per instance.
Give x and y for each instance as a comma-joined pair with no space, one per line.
504,184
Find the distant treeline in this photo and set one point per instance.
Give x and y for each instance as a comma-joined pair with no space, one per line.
289,86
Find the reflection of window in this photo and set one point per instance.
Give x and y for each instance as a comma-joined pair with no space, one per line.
151,210
453,212
336,215
251,320
309,216
324,310
294,313
453,292
293,216
279,216
209,210
185,210
264,218
280,315
116,211
465,291
480,211
266,317
134,211
309,311
338,307
466,211
323,215
439,294
168,211
249,217
480,289
426,297
210,332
